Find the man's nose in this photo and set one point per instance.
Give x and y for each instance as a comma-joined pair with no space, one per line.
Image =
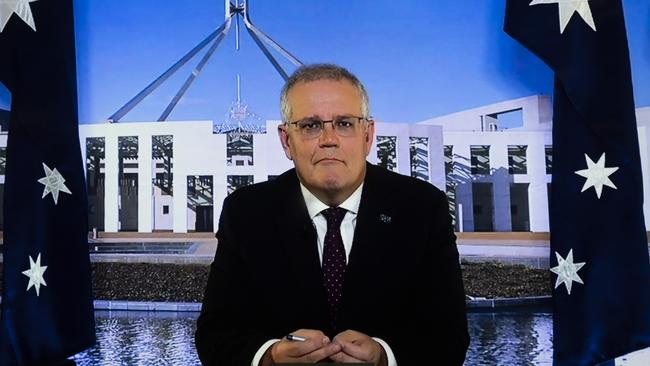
329,136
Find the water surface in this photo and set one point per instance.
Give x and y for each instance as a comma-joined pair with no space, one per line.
167,338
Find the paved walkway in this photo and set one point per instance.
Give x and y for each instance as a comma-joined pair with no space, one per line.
530,249
531,252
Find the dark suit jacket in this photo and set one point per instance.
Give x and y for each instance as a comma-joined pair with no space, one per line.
402,283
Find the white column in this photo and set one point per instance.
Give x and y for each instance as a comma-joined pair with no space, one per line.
537,192
218,195
501,186
111,186
180,187
403,150
145,198
437,159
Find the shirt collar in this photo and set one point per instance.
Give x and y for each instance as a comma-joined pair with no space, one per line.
315,206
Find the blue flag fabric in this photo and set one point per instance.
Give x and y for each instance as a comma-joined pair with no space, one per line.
47,309
599,250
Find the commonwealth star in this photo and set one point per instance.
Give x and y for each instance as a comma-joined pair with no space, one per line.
597,175
35,274
54,183
20,7
569,7
567,271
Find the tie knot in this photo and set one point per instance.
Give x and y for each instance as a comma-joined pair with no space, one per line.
334,216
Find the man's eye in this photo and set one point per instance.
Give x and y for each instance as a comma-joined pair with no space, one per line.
310,125
344,123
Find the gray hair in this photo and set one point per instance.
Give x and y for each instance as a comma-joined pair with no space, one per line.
309,73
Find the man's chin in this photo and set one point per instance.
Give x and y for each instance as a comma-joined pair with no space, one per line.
328,184
331,185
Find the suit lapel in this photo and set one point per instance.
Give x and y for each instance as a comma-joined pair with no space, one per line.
371,234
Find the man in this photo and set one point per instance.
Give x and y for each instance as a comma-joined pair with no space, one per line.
337,259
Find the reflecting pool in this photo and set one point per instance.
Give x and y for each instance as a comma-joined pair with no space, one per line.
510,339
167,338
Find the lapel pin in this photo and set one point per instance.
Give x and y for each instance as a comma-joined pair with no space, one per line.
384,218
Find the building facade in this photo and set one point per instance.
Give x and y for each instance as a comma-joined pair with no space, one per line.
494,162
174,176
498,178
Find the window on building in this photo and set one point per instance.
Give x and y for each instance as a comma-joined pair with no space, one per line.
200,202
517,159
519,207
239,148
387,152
128,182
199,190
419,154
483,202
3,160
549,158
238,181
503,120
95,153
450,186
162,154
165,209
480,159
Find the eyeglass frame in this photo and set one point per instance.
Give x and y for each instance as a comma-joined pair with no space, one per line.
323,122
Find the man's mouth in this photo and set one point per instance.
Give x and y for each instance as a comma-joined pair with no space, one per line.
329,160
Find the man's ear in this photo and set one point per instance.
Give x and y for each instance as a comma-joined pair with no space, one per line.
284,140
370,136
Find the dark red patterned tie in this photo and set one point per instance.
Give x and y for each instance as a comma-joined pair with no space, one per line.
333,259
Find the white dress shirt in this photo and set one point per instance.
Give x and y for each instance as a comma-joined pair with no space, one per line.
315,207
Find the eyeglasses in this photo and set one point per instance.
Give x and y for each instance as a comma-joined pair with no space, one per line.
344,126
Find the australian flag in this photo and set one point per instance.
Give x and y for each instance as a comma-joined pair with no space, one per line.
47,309
599,248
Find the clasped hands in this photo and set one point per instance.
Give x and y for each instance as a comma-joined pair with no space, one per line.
348,346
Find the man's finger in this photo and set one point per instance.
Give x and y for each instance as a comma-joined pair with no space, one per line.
322,353
287,350
350,336
342,357
315,339
362,351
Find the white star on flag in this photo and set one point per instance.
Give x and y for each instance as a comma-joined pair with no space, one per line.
35,274
568,8
54,183
567,271
597,175
20,7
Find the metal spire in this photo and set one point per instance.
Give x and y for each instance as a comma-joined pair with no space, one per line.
238,10
238,89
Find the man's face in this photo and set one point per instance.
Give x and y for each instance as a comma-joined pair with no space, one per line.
329,165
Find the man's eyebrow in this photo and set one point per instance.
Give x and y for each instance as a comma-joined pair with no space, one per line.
315,116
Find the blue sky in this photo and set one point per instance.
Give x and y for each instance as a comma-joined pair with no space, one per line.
418,59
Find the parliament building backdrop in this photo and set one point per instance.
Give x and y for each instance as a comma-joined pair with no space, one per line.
173,176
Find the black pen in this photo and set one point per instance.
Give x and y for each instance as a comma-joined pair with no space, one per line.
296,338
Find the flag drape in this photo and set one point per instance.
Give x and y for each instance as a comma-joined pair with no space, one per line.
47,311
599,249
